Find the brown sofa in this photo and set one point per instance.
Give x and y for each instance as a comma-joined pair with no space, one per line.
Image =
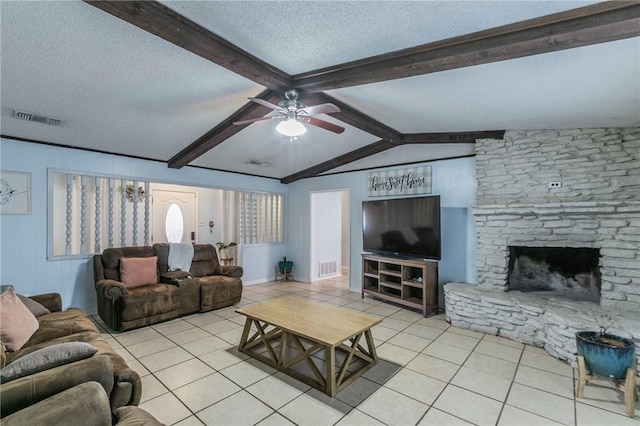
206,286
106,366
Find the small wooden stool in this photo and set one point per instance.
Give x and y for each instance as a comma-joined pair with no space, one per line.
286,274
628,387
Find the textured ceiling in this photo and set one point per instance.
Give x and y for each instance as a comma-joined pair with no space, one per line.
120,89
591,86
300,36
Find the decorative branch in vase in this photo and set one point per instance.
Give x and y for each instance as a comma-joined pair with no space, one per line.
605,354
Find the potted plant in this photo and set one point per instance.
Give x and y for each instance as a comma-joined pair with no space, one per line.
285,266
225,255
606,354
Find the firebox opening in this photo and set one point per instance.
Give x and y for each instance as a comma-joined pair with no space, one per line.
568,272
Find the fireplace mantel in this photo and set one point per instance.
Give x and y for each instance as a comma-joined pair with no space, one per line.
584,207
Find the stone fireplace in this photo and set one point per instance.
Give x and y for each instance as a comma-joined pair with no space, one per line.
573,273
543,195
611,227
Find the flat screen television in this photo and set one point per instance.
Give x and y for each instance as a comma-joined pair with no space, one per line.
402,227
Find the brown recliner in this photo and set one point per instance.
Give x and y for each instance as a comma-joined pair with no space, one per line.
84,404
123,308
207,285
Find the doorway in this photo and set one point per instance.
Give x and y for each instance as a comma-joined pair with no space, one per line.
330,236
174,216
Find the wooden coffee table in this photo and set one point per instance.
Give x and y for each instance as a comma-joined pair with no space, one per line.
296,335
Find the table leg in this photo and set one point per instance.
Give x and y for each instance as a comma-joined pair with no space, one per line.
371,345
330,357
245,333
283,347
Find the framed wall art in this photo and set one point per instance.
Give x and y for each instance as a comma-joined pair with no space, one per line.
15,192
411,181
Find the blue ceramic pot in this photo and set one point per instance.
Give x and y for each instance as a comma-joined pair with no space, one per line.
604,359
285,266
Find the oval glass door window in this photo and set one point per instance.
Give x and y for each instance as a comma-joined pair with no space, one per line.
174,224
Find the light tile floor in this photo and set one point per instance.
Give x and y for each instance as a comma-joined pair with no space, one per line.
429,373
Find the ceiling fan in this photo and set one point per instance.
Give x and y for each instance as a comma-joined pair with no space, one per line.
294,113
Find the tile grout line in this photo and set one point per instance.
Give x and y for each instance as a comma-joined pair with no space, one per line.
448,383
241,388
351,408
513,380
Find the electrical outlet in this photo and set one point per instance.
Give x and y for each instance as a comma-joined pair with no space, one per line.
555,184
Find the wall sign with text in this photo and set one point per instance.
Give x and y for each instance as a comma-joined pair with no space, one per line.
416,180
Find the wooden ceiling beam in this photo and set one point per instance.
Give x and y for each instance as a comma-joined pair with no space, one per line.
594,24
357,154
575,28
353,117
163,22
223,131
383,145
451,137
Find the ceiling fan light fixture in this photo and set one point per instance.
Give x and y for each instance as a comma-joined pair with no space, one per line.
291,128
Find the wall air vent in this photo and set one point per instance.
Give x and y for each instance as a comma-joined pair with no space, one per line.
28,116
327,268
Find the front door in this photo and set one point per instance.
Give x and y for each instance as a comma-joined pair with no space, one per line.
174,216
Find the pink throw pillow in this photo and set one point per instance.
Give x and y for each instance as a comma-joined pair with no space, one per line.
17,323
138,271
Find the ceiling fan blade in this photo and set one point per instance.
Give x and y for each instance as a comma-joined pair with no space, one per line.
324,125
253,120
319,109
265,103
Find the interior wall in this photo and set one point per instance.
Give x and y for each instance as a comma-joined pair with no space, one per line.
453,265
326,231
345,231
23,238
454,180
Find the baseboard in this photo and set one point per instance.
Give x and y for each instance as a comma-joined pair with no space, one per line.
258,281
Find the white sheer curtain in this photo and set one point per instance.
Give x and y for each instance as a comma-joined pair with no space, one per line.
228,220
250,218
261,218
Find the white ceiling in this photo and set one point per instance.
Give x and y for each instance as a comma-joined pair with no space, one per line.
120,89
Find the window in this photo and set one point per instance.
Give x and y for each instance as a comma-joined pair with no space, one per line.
88,214
260,218
174,224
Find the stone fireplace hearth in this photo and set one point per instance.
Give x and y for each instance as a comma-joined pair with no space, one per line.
595,212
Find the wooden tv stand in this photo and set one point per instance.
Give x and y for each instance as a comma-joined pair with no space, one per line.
408,282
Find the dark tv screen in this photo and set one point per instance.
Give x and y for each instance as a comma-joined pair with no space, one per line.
402,227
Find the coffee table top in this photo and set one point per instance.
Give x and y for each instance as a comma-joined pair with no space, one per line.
321,323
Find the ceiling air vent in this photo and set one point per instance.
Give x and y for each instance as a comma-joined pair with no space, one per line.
257,163
23,115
